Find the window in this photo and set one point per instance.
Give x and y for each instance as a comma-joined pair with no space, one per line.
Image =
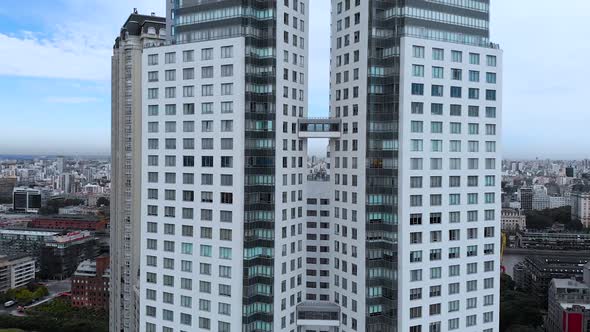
438,72
456,74
170,75
153,93
170,58
418,70
152,59
456,56
474,58
227,52
188,56
153,76
473,76
227,89
491,60
417,89
438,54
417,108
436,109
491,95
170,92
491,78
207,90
490,112
188,91
437,90
418,51
227,70
455,92
227,107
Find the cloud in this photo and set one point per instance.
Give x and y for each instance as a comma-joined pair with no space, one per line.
66,54
71,100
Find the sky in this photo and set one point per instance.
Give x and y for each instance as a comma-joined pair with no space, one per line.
55,74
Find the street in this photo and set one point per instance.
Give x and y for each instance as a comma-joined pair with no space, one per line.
55,288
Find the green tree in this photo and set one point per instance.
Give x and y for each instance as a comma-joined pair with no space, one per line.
24,296
102,201
518,309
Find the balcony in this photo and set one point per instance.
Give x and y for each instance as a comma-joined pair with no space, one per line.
318,314
320,128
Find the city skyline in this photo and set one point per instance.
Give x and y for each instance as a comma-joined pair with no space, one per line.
73,91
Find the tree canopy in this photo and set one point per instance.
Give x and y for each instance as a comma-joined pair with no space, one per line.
519,311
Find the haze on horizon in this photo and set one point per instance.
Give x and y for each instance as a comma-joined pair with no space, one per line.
59,102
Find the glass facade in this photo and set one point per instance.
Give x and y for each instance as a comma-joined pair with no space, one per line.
200,20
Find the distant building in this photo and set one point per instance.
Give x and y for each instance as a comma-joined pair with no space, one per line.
26,200
90,284
513,220
79,210
70,222
568,307
7,185
526,199
16,272
556,240
62,254
540,200
559,201
23,241
534,274
569,172
580,200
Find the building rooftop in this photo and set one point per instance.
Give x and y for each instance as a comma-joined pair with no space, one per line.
569,283
27,232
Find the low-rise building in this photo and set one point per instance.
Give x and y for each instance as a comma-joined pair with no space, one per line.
69,222
568,308
23,241
556,240
62,254
16,272
90,284
534,274
513,220
580,201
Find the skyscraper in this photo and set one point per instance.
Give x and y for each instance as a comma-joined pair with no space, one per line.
412,215
224,176
416,175
137,32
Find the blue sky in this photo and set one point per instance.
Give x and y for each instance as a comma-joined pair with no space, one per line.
55,73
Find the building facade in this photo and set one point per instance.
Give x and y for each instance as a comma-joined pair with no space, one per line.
222,108
61,254
90,284
126,114
526,199
16,272
580,201
513,220
568,306
26,200
418,84
70,222
412,220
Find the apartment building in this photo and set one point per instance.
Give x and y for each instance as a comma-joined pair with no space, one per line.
126,114
224,177
232,235
417,172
